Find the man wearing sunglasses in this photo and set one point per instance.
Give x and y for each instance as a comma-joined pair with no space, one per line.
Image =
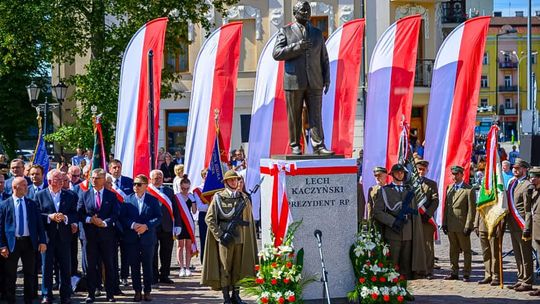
140,214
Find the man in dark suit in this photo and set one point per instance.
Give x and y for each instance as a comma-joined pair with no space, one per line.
58,210
74,174
98,209
170,225
125,185
36,176
140,215
16,170
21,235
307,72
3,194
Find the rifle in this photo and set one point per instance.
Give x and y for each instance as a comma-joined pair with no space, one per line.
406,209
230,231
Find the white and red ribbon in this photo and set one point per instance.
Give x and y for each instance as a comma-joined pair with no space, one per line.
512,206
120,195
162,198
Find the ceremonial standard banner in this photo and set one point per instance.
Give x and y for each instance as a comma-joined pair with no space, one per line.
453,102
339,104
132,127
390,92
213,91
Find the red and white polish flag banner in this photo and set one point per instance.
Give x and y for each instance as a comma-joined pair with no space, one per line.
390,92
213,89
132,130
339,104
453,101
269,130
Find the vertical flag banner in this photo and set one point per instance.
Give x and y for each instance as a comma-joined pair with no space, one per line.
99,158
132,137
41,157
492,203
390,92
453,102
214,177
339,104
213,91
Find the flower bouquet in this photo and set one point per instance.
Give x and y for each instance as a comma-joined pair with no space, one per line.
279,274
377,278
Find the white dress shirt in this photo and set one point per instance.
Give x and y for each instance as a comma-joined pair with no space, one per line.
19,221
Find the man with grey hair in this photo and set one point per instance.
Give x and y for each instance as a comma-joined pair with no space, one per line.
170,225
74,174
58,209
506,172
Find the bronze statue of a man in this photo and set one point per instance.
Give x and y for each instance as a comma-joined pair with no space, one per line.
307,73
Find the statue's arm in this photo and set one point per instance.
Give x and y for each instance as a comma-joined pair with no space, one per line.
325,64
284,51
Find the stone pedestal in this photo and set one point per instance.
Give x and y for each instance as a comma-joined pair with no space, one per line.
321,193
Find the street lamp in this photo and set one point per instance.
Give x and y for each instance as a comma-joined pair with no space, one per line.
59,91
519,59
506,32
33,94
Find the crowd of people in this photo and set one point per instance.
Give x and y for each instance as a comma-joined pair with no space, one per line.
408,226
114,223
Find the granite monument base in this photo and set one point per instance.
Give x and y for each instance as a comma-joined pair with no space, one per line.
322,194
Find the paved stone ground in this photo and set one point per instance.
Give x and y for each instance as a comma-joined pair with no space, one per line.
188,290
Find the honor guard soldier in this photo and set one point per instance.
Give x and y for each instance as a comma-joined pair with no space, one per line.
458,222
535,202
490,250
395,208
429,226
519,224
231,247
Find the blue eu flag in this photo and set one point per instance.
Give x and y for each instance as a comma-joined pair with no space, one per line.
40,155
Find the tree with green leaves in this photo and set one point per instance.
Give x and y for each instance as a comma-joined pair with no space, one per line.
102,30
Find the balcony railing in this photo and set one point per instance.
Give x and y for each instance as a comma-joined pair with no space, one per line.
505,88
453,12
424,73
508,65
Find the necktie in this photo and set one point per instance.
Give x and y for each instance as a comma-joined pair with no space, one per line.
21,217
98,200
117,183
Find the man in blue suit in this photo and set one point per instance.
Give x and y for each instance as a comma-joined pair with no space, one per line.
16,168
21,235
98,209
58,211
36,175
140,215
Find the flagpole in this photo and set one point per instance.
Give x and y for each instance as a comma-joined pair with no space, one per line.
500,235
151,107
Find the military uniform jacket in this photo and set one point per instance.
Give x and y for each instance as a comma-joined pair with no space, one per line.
432,193
521,203
372,195
535,202
222,213
386,212
304,69
459,208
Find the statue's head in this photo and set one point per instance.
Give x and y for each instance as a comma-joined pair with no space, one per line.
302,12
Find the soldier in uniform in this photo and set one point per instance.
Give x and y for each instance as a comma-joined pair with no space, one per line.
395,209
458,222
430,188
490,251
535,202
231,248
519,224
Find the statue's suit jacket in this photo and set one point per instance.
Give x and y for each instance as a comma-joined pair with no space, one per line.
304,69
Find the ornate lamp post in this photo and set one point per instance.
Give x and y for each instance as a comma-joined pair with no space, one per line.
33,95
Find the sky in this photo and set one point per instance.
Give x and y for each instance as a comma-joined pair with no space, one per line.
508,7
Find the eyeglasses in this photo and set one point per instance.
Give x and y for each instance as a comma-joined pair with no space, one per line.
138,184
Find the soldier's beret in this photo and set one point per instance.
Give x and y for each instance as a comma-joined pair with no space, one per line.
535,171
457,169
379,169
230,174
422,162
521,163
397,167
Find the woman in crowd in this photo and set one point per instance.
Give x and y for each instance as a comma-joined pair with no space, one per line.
179,172
160,157
184,239
167,168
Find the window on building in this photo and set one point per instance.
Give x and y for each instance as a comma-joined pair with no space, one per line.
484,102
178,59
321,22
508,103
486,59
176,130
507,57
248,53
245,124
484,81
507,80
